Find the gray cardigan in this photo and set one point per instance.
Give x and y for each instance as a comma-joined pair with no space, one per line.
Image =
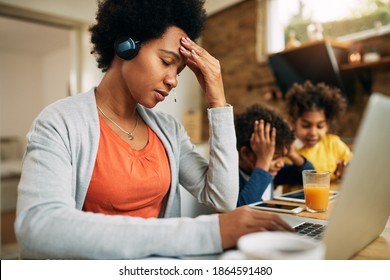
57,168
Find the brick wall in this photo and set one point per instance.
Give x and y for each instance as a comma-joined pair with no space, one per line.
230,36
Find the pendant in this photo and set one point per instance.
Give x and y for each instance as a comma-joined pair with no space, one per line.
130,136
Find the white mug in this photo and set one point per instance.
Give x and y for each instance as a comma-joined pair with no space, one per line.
280,246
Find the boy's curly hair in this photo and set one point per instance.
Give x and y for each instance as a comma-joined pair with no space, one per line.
244,123
309,97
142,20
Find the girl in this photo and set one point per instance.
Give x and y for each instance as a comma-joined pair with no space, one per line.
313,110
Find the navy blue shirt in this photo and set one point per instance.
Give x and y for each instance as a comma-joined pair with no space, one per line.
253,189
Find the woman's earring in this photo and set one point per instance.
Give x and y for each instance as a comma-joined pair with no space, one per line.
174,92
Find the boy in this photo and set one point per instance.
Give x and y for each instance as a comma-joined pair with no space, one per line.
264,138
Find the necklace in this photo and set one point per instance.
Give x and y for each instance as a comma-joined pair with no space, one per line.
129,134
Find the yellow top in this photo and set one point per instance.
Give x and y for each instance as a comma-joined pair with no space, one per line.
325,155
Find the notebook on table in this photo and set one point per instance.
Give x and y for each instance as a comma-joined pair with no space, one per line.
362,208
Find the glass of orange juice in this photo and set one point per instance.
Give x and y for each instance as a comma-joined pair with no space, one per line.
316,186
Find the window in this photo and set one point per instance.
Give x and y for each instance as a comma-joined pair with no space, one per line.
341,20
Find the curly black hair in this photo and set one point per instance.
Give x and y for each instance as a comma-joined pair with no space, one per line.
301,98
142,20
244,126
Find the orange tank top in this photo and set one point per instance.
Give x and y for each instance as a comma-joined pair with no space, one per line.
126,181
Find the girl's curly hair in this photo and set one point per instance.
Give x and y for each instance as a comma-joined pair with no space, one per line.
244,123
310,97
142,20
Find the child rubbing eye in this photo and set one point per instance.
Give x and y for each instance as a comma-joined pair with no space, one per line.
264,138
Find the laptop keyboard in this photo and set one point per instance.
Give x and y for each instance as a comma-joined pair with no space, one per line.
310,230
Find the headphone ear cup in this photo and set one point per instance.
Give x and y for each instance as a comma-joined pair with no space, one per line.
126,48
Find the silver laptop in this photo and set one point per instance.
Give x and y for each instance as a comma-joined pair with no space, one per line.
362,208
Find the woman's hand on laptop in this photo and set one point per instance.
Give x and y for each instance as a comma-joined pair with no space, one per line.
244,220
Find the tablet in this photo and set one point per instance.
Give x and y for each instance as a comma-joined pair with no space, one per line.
299,196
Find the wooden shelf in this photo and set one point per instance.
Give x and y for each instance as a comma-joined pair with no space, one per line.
317,61
382,63
334,44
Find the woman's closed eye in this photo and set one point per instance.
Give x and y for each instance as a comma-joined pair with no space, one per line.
165,62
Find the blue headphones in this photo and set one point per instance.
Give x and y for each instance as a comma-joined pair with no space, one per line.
126,48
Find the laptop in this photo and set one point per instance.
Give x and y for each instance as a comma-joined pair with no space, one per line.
362,208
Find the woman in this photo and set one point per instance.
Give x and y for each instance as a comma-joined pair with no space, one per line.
102,169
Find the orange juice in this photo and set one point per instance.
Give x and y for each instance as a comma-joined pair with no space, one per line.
316,196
